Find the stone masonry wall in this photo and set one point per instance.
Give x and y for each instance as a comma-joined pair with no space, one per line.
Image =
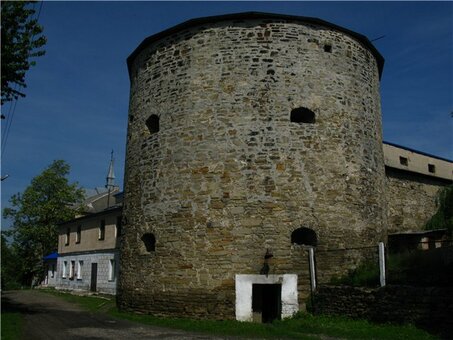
426,307
411,199
229,176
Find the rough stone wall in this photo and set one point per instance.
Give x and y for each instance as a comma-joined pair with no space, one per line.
426,307
229,176
411,199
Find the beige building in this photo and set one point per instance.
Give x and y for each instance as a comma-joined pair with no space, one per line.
88,254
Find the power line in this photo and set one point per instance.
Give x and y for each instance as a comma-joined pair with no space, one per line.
12,108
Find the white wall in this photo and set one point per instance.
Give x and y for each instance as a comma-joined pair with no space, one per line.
244,282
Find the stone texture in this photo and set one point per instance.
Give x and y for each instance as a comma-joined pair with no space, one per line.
229,176
426,307
411,199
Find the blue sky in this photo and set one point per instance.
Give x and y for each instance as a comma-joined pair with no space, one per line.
77,95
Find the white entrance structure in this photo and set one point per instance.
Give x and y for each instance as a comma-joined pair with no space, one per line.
244,289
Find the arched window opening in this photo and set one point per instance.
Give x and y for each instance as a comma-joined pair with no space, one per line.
153,123
149,241
304,236
302,115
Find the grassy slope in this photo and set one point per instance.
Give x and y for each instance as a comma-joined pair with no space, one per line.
12,325
302,326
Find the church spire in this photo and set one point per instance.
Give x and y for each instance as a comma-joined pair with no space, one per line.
110,180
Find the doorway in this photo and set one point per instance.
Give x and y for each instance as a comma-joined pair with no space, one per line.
266,302
94,277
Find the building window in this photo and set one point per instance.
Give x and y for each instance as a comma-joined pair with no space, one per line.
79,234
153,123
112,269
102,230
304,236
404,161
432,168
118,226
72,270
79,270
65,269
68,233
149,241
302,115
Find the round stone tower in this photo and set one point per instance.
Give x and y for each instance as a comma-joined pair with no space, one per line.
250,137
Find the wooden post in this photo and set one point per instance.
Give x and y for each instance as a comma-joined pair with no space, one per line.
311,258
382,263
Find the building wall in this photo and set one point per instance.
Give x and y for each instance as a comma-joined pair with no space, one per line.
106,284
411,199
416,162
50,279
89,240
229,176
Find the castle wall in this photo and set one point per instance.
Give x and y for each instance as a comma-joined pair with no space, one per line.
229,176
411,199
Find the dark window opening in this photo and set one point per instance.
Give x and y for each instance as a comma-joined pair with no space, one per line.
153,123
79,234
302,115
102,230
328,48
304,236
266,302
118,225
404,161
149,241
431,168
68,233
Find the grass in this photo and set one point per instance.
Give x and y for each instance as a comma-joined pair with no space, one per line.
404,269
12,325
91,303
301,326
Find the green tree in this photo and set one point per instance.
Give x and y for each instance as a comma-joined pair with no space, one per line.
443,218
21,40
49,200
10,276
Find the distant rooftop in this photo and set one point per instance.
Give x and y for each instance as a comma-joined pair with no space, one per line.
407,159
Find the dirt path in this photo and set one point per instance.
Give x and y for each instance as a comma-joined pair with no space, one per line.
48,317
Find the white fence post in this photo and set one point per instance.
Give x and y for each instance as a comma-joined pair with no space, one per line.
311,258
382,263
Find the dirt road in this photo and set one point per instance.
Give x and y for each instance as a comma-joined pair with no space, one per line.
48,317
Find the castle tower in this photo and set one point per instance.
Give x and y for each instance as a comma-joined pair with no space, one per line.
249,136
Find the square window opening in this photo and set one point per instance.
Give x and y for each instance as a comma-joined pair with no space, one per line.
404,161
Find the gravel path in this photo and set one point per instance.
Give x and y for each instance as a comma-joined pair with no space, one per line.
49,317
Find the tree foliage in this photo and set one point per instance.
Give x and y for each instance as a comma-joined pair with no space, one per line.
10,275
443,218
21,40
49,200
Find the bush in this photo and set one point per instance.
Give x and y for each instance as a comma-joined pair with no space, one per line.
443,218
416,268
365,275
